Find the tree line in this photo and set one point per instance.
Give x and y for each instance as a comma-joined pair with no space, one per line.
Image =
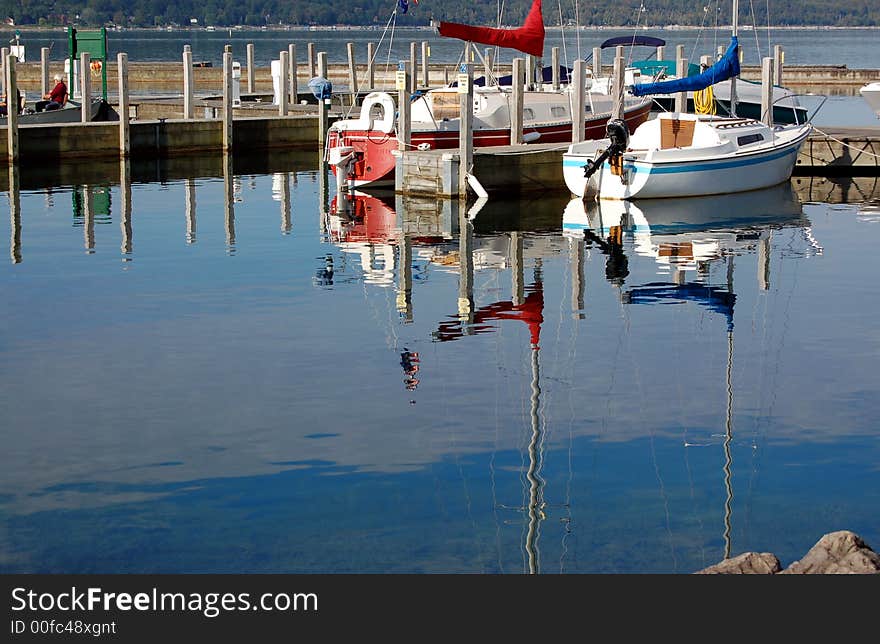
186,13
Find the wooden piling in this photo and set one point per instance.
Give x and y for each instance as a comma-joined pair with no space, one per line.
489,67
44,71
292,80
619,80
323,105
124,130
310,52
778,60
4,54
597,62
554,61
661,52
352,73
85,84
466,126
404,122
578,107
251,72
426,55
516,107
227,101
371,69
285,92
530,72
188,92
189,206
767,91
681,65
413,66
10,83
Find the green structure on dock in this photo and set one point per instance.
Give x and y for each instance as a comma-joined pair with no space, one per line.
94,43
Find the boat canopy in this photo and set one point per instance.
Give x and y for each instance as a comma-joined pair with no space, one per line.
713,298
528,39
726,67
633,41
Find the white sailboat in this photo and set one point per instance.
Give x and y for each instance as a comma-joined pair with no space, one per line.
683,155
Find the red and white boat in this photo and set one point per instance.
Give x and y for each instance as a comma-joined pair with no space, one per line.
360,149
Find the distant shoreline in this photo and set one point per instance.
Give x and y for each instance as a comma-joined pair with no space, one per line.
285,28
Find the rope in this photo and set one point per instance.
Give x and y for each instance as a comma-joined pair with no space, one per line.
704,101
846,145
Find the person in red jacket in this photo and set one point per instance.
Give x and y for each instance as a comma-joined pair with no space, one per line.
55,99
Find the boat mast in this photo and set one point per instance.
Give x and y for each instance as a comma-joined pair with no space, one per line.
735,19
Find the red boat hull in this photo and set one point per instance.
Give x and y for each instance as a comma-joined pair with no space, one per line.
374,162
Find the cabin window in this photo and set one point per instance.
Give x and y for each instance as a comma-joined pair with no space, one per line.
528,114
558,112
749,138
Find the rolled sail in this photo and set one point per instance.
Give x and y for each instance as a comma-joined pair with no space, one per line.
726,67
528,39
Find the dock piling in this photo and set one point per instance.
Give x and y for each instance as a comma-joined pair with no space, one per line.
661,52
516,108
11,113
310,53
413,66
578,108
681,65
619,80
778,60
466,128
352,72
488,66
124,130
44,71
227,101
188,104
323,104
85,83
4,54
292,80
125,205
404,122
251,88
426,55
14,214
371,69
597,62
554,61
284,92
767,90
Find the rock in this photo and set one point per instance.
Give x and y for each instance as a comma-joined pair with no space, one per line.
748,563
841,552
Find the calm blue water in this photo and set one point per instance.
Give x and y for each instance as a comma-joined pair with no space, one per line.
214,371
855,48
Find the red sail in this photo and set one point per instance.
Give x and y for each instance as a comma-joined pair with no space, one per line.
529,38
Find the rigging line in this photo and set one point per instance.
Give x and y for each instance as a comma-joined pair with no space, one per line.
755,28
391,41
562,34
769,47
364,78
699,37
847,145
577,27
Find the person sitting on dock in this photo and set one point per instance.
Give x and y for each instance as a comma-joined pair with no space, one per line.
55,99
4,108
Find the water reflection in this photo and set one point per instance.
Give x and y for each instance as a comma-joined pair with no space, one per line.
574,402
14,214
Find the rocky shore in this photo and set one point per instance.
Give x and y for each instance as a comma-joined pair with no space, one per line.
841,552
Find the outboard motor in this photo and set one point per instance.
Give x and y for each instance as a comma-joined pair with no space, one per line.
617,134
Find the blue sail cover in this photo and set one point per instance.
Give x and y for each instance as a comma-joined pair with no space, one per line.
726,67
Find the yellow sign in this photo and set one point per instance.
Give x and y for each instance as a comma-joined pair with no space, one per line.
400,80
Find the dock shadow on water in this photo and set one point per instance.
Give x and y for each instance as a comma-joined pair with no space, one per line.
224,367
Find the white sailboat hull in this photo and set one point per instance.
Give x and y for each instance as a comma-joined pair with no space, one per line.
722,168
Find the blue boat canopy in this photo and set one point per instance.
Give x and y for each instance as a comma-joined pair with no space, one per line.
633,41
726,67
